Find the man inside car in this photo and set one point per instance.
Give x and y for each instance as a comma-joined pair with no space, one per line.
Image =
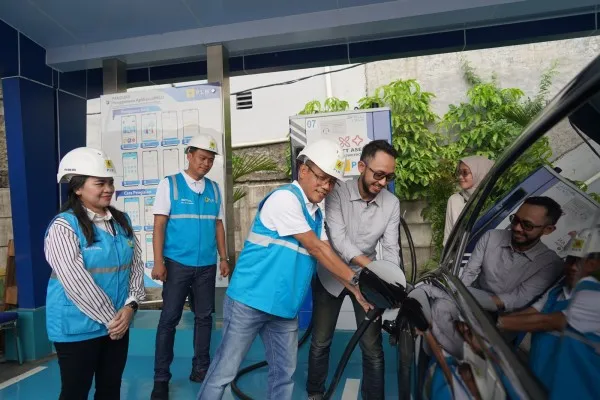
508,269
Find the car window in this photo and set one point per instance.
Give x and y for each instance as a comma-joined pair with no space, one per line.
519,266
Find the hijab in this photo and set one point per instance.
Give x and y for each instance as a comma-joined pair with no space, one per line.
479,166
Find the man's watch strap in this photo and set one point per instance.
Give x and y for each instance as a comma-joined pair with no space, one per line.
133,304
354,280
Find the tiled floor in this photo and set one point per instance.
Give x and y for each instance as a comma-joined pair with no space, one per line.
44,383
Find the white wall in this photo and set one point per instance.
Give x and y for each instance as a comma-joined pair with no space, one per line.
267,120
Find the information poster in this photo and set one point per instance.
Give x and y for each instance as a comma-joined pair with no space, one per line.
347,130
145,134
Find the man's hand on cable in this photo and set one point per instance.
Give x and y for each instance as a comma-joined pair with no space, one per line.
120,323
360,298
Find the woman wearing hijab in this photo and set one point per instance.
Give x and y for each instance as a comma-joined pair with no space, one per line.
471,171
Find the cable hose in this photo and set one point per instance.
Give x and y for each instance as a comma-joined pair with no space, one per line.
234,387
372,315
411,247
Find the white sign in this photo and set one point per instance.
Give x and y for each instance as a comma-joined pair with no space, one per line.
145,134
349,131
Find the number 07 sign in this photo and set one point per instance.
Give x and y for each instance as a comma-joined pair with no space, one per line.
350,130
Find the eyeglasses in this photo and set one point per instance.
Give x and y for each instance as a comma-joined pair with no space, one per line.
378,175
321,180
526,225
463,172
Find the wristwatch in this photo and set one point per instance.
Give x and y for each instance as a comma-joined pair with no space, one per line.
133,305
354,280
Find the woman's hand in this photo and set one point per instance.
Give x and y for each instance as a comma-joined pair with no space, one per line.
120,323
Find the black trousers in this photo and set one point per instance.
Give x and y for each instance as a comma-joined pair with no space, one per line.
81,362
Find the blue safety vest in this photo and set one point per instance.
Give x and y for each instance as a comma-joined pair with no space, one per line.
108,261
577,367
191,234
544,344
273,272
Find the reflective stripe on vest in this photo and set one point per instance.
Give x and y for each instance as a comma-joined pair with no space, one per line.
101,270
265,241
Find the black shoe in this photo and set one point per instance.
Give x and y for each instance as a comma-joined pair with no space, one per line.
160,391
198,375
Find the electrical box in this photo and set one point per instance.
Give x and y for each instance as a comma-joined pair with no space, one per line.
352,130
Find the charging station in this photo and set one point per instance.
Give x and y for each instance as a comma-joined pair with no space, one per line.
352,130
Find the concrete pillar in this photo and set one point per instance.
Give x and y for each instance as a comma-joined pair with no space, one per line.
114,76
218,72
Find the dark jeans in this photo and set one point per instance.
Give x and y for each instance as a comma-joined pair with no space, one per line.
180,279
326,309
80,362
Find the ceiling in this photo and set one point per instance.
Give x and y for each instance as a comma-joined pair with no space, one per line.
78,34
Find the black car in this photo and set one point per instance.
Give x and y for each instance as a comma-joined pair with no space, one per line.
497,365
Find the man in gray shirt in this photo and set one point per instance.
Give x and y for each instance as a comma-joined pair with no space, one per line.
359,213
513,267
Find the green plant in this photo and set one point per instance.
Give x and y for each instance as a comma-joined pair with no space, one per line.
486,124
417,146
331,104
243,165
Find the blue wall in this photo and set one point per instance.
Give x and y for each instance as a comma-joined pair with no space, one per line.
45,116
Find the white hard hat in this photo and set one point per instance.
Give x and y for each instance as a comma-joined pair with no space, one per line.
326,155
203,141
586,242
85,161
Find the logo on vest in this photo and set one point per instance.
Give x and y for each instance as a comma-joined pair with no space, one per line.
130,243
186,201
208,200
89,248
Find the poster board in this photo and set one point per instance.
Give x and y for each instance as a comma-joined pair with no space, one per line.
352,130
145,134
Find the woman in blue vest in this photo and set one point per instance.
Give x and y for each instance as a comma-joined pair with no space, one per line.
273,275
96,280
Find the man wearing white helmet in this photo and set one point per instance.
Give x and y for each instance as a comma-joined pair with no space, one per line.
577,358
96,281
188,234
274,272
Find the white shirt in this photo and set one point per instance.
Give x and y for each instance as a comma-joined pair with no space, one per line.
162,200
282,212
583,313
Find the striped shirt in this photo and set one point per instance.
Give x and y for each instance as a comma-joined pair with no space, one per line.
64,256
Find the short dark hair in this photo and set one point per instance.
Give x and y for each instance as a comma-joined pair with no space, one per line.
553,210
373,147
